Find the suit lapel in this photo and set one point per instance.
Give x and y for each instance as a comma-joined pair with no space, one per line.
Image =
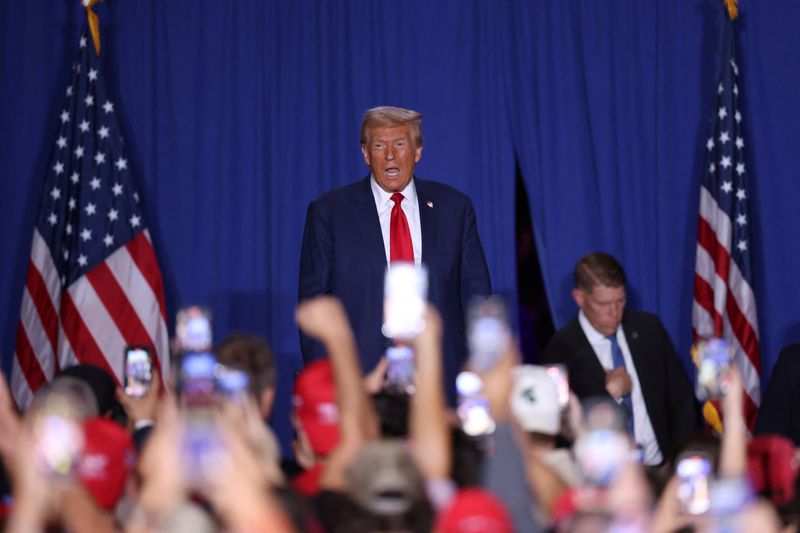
428,220
587,359
365,215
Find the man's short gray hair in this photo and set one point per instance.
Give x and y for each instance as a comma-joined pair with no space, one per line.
389,116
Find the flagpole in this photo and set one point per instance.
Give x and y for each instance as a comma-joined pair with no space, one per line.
94,23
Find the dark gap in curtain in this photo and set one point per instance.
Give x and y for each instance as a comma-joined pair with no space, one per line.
535,321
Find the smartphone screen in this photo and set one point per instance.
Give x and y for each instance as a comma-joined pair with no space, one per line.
714,357
694,472
203,451
405,293
138,371
601,455
560,376
473,406
193,329
59,444
488,333
400,369
197,379
231,383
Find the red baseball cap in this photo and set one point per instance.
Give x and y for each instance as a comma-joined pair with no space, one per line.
107,459
314,402
474,510
772,467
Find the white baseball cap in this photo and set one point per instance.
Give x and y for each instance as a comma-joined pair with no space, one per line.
534,400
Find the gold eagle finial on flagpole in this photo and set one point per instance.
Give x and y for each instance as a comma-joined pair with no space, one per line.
733,8
94,24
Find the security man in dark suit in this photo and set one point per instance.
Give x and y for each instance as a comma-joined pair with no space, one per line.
627,355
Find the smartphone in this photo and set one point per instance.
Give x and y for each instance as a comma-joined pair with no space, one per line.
197,380
488,333
193,329
203,451
231,383
601,454
713,362
473,406
405,293
694,471
400,369
601,413
59,442
138,374
560,376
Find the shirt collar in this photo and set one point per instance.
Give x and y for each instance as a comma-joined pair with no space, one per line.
383,199
592,335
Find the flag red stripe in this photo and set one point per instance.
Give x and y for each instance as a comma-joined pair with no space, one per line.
80,338
704,296
740,325
120,309
44,306
145,258
707,238
118,306
748,339
27,360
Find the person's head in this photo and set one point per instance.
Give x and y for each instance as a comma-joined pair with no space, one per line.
392,408
315,414
100,383
391,142
534,404
250,353
469,455
474,510
600,291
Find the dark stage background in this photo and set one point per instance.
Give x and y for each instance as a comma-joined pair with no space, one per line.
237,114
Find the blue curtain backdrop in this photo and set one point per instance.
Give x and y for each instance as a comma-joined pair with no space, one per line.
237,114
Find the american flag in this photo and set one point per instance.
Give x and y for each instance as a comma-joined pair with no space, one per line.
93,284
724,301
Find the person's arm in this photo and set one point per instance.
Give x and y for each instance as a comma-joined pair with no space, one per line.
81,514
242,494
141,412
429,428
315,271
324,318
505,472
733,448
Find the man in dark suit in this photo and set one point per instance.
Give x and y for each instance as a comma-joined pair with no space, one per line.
353,232
611,351
780,408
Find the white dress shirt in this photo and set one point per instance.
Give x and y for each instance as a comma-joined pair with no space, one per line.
642,428
409,205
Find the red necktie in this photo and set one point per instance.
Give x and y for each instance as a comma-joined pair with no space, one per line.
400,248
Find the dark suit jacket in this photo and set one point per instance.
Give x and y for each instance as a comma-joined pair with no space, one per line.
667,393
343,255
780,407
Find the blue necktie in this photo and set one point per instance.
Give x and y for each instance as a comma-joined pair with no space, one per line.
619,361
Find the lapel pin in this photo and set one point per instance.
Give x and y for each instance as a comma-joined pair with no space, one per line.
635,335
430,204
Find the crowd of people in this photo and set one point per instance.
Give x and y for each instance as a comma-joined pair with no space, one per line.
87,456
